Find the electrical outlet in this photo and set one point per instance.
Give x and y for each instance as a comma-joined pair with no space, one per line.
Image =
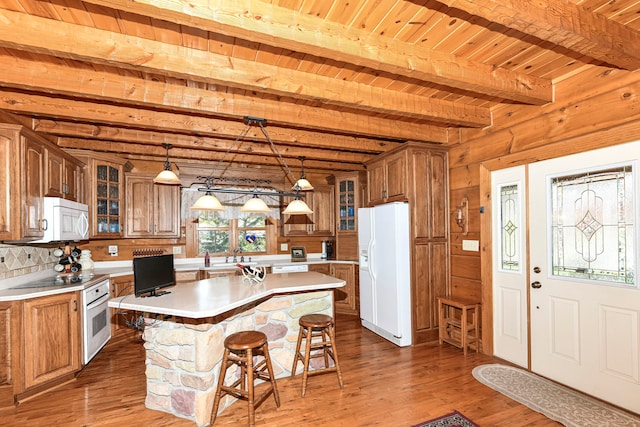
177,250
284,247
113,250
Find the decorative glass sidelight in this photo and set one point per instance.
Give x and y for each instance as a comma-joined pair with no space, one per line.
593,225
509,228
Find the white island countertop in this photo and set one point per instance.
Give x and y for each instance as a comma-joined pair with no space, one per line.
212,297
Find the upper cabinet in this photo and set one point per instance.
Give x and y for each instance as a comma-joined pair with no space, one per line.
105,195
32,168
321,222
64,176
387,178
153,210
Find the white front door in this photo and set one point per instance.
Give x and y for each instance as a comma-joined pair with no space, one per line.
510,285
584,296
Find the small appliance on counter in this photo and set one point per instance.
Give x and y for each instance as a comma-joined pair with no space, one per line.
327,250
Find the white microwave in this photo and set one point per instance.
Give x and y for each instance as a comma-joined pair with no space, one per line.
64,220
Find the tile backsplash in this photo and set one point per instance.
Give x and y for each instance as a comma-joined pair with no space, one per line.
20,260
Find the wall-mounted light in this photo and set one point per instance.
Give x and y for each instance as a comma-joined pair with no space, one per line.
462,215
167,176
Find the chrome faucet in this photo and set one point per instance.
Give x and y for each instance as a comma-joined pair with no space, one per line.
235,255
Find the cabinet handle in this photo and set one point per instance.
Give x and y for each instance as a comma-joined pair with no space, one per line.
45,224
75,305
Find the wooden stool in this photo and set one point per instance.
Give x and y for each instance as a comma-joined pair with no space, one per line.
240,349
316,326
462,331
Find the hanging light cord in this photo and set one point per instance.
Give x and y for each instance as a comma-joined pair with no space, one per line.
274,148
209,179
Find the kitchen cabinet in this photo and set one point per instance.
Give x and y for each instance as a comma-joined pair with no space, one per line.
346,298
22,179
105,195
324,268
63,175
153,210
349,189
321,222
423,183
40,345
387,178
121,286
9,350
51,339
183,277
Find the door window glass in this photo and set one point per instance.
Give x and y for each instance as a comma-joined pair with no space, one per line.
509,228
592,226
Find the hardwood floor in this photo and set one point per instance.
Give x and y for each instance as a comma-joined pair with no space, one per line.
383,386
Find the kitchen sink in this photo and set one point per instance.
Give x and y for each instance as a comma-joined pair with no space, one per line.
226,265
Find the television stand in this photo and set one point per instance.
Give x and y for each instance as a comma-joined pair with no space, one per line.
158,293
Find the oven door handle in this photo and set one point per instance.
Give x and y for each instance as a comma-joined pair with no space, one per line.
96,301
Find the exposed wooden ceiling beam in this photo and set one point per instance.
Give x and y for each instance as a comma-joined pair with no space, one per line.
141,151
345,149
18,30
43,106
281,27
262,148
563,23
55,78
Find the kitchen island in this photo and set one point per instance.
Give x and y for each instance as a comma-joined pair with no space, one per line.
184,332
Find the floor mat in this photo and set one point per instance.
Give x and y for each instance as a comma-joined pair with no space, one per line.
559,403
454,419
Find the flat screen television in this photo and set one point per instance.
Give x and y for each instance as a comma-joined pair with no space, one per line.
152,273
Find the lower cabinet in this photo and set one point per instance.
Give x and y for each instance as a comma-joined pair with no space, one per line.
121,286
40,344
51,337
346,298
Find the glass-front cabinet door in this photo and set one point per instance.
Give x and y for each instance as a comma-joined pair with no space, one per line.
347,204
108,200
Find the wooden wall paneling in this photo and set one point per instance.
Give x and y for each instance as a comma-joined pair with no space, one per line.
467,266
466,288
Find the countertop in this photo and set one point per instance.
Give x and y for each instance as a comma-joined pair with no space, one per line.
107,269
14,290
124,268
212,297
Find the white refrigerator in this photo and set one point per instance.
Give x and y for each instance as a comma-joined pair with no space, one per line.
385,271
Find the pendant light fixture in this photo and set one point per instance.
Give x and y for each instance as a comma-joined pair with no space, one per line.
167,176
208,202
255,204
302,184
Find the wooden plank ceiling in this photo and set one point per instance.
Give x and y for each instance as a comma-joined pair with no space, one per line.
337,81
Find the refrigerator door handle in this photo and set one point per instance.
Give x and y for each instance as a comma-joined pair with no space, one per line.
372,259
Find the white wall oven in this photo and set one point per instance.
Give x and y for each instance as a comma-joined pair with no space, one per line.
97,330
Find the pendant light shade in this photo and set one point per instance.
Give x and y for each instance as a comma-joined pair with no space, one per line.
167,176
303,183
255,205
297,207
208,202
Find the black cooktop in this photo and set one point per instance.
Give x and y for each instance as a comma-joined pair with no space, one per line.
56,281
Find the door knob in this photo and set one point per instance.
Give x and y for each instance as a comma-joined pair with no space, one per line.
536,269
536,285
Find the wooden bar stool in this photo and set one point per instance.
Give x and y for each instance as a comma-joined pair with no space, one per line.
240,349
319,335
